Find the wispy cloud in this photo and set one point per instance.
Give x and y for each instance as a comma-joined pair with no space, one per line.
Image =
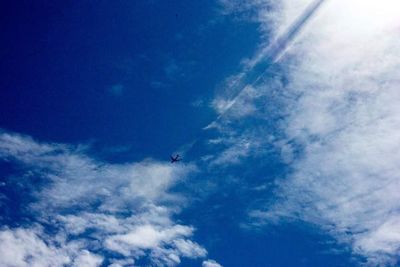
95,208
339,123
250,10
241,87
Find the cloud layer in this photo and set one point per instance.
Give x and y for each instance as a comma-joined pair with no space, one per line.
83,209
338,125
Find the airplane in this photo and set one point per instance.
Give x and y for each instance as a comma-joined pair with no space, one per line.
175,159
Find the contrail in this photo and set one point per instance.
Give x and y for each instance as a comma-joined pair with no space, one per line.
262,63
268,57
274,52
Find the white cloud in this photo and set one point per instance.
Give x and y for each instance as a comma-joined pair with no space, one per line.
211,263
87,259
146,237
122,263
25,247
189,249
167,244
120,208
338,119
250,10
342,115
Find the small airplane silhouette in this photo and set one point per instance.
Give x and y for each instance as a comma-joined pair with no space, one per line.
175,159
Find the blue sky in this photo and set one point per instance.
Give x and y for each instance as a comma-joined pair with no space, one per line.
285,114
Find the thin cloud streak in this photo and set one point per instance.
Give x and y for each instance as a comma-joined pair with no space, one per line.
261,64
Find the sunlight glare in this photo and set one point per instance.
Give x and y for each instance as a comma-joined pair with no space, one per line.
374,13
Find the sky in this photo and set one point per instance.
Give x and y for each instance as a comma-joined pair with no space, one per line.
285,114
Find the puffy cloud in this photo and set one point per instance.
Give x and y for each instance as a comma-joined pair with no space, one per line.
211,263
149,236
189,249
124,209
32,247
24,247
87,259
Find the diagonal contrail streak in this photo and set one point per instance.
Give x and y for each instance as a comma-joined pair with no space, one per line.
267,57
262,63
279,46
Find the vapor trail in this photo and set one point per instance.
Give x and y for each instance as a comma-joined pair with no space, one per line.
261,64
266,58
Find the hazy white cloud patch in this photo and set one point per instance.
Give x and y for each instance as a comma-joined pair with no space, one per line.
122,263
338,123
342,117
251,10
21,247
234,147
87,259
95,208
32,247
211,263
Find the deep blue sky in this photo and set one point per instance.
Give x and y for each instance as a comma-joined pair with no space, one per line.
59,63
134,80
